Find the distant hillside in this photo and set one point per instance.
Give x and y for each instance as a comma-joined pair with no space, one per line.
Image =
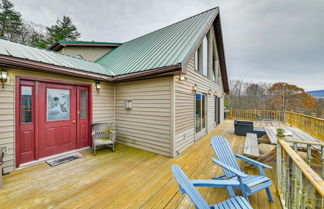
317,94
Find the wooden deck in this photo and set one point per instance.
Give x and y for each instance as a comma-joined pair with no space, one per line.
127,178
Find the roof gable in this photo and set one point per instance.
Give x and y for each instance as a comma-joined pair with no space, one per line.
171,45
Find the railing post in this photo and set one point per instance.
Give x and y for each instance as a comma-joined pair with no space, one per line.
309,154
279,161
322,158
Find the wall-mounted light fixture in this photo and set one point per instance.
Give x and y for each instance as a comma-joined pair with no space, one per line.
215,94
4,77
223,94
182,78
210,92
195,88
97,86
128,104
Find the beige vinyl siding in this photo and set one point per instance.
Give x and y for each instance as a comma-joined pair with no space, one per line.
148,124
102,108
185,101
90,53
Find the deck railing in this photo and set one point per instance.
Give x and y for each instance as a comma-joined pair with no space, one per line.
298,185
256,115
311,125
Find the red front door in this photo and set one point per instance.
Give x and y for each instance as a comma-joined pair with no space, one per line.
53,118
57,118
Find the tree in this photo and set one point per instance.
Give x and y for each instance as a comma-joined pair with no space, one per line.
10,21
63,30
284,96
34,35
256,96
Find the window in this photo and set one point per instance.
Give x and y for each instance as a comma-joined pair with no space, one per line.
26,104
214,71
58,104
196,61
205,57
83,105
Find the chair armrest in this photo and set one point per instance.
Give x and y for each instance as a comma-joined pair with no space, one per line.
214,183
229,168
252,161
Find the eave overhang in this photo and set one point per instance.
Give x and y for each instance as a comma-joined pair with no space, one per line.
14,62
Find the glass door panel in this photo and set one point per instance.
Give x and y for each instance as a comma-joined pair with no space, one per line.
198,112
203,111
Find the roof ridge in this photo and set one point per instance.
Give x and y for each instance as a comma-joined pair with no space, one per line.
95,42
172,24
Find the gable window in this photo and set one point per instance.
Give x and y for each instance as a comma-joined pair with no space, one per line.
214,66
205,55
196,61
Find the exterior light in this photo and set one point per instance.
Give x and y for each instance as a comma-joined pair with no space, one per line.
128,104
195,88
215,94
4,77
182,78
210,92
97,85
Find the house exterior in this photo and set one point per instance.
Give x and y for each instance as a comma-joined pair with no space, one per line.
162,91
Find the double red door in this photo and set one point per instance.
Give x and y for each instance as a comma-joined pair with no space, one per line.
53,118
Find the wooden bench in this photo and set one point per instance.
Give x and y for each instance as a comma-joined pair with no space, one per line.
251,147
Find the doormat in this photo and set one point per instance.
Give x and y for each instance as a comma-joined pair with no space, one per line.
64,159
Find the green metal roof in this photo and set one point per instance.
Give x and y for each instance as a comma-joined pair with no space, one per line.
18,50
168,46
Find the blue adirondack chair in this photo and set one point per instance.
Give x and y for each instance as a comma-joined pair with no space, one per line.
227,160
188,187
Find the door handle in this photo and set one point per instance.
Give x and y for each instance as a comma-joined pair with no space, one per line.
74,121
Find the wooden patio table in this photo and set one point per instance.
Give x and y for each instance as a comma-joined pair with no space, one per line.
297,135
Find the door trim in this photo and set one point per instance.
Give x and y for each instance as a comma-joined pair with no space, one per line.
18,78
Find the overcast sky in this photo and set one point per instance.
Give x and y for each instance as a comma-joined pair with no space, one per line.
265,40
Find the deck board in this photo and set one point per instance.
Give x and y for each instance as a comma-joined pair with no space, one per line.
127,178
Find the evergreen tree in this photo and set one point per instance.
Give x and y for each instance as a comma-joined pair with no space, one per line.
10,21
63,30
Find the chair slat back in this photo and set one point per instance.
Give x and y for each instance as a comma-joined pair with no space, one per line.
100,130
225,154
187,187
